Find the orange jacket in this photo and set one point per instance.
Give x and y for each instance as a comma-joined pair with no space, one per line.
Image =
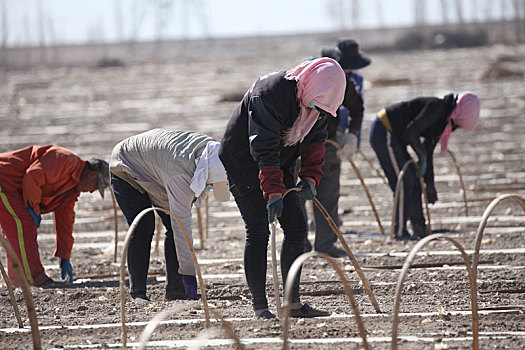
45,177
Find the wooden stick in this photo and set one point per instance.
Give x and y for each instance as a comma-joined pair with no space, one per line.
199,224
349,253
12,296
22,280
378,172
460,181
396,198
158,229
358,174
425,197
115,216
207,217
367,195
274,271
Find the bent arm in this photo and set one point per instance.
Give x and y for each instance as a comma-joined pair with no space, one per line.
265,133
180,198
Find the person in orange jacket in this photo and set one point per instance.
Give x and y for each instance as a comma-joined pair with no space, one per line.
41,179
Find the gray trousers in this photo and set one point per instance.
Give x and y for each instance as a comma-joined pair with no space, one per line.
328,195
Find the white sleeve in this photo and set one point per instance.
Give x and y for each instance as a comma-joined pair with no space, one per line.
180,198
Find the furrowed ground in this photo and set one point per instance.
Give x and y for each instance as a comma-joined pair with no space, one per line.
90,109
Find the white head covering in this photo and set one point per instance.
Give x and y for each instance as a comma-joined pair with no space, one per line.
210,171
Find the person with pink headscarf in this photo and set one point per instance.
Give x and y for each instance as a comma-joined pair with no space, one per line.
420,123
281,118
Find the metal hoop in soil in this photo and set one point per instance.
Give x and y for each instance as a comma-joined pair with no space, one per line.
155,321
294,270
123,259
481,228
402,275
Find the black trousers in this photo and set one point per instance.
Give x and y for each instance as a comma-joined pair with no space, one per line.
252,206
132,202
392,156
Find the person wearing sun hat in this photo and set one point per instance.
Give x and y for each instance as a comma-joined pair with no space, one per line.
281,118
37,180
420,123
171,170
344,134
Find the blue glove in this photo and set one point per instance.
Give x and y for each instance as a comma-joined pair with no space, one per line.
190,286
67,269
274,206
422,166
308,188
36,218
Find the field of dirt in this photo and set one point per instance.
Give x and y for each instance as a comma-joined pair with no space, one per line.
90,109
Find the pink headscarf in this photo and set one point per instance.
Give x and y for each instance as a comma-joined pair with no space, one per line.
465,115
322,82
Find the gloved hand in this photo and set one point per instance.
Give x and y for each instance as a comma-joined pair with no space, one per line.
431,193
349,143
66,269
422,163
308,188
190,286
36,218
274,206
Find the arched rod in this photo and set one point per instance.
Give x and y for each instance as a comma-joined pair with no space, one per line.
472,279
123,259
294,270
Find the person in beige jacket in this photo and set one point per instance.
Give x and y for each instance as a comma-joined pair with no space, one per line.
170,170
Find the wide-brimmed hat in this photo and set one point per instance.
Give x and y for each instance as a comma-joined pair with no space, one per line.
348,55
102,168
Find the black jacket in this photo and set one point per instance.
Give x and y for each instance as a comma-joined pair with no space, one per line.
354,103
254,136
421,118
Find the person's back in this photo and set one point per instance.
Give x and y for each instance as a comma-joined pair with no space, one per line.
44,179
343,141
147,159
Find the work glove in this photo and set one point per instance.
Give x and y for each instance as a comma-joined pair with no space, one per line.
422,163
349,143
308,188
431,193
190,286
66,269
36,218
274,206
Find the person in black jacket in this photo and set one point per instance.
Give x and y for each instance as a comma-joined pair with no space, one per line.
282,117
420,123
344,134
